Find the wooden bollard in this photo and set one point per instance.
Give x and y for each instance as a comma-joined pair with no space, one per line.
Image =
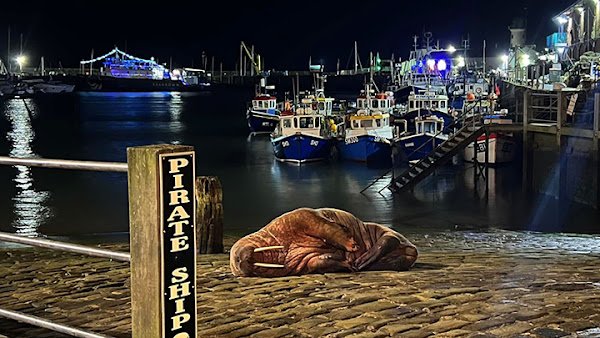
209,215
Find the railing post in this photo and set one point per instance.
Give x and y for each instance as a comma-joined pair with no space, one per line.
163,242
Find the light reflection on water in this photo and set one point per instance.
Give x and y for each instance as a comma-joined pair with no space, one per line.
30,206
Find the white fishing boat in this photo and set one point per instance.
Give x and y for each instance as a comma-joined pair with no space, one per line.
501,146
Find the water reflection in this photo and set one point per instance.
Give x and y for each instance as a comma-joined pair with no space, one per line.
30,206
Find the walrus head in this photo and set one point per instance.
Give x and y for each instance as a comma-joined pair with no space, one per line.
242,260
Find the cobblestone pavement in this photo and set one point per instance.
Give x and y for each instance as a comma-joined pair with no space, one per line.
464,285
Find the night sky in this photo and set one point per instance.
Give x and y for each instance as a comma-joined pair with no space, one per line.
286,33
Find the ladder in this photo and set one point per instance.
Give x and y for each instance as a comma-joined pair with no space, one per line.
470,131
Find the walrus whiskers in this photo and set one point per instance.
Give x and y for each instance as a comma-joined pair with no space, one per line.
274,247
269,265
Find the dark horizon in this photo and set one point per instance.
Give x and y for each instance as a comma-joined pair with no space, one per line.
286,35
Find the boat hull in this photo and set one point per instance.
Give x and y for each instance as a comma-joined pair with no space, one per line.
501,149
115,84
260,122
301,148
416,147
366,148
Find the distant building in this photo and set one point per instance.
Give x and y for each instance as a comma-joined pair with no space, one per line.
578,30
518,33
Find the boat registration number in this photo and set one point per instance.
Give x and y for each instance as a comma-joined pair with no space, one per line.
285,144
412,144
351,140
314,143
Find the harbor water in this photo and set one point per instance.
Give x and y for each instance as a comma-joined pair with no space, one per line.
100,126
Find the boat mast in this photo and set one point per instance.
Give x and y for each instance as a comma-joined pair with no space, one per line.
8,52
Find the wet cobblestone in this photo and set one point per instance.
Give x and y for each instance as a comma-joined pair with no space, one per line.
497,288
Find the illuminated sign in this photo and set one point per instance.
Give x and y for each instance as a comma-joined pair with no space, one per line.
178,245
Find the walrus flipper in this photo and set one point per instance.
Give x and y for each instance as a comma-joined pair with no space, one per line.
383,246
329,263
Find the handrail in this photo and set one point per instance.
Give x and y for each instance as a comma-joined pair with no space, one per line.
46,324
64,164
69,247
455,122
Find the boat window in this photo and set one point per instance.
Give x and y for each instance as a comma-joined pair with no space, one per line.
383,104
378,122
317,122
321,106
435,105
306,122
429,127
272,103
287,123
412,104
367,123
361,103
375,104
442,104
295,122
355,124
420,127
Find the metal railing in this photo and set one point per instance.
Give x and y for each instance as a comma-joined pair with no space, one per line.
56,245
458,121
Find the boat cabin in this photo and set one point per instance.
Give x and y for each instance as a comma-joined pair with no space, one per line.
312,105
429,101
382,102
264,103
305,124
429,125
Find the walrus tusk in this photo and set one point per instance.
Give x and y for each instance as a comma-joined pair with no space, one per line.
269,248
269,265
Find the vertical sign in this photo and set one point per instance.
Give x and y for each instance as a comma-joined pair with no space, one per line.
178,244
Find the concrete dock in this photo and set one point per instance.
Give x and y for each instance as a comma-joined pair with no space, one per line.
463,285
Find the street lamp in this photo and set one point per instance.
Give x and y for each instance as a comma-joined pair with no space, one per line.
21,59
504,59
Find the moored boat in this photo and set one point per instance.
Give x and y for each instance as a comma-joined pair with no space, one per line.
367,134
302,134
426,137
262,113
501,146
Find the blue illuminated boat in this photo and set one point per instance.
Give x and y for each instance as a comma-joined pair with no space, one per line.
124,72
303,135
367,135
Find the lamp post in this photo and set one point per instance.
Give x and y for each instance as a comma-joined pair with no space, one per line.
504,59
21,59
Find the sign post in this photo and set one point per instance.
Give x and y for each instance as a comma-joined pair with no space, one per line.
163,241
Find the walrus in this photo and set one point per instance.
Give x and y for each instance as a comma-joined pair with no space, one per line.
306,240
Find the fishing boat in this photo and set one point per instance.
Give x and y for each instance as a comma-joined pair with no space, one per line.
428,67
425,103
262,113
367,134
303,134
427,136
501,146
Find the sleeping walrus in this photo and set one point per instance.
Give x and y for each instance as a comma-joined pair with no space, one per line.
308,240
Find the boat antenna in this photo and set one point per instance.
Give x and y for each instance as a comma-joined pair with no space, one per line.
428,36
